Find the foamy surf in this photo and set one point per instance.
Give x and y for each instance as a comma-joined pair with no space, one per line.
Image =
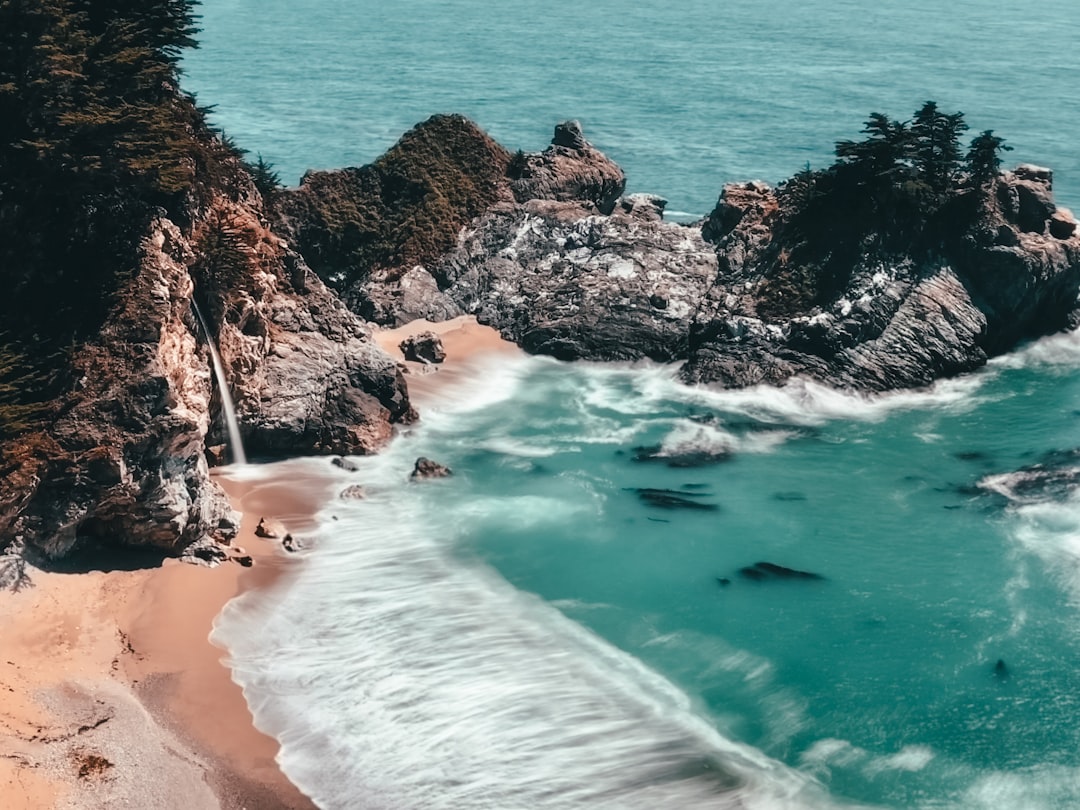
397,676
403,670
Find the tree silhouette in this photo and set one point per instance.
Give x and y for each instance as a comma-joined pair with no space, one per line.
984,158
936,145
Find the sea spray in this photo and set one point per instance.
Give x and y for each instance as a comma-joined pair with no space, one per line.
228,410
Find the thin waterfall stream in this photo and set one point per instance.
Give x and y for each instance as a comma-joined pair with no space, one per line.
228,410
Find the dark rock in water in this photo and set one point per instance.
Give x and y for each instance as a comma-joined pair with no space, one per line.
1001,670
291,544
1055,477
723,582
971,455
243,560
789,496
353,493
671,499
345,464
767,571
425,347
426,468
682,456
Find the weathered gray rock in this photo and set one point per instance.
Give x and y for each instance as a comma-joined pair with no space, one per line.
897,322
574,285
425,347
570,170
305,373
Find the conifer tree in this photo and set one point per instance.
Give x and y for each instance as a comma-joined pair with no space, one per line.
936,145
984,157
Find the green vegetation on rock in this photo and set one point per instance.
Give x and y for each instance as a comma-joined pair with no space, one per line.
94,139
406,208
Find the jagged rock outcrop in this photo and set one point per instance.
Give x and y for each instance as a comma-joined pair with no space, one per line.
123,462
373,232
570,170
306,375
1005,274
407,208
560,280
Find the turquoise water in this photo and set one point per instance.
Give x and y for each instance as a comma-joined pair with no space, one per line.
684,95
530,633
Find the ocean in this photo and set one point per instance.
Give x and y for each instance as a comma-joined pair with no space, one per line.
537,631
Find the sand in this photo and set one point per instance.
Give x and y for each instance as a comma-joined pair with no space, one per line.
465,341
111,694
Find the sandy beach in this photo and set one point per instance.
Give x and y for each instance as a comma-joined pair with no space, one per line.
111,694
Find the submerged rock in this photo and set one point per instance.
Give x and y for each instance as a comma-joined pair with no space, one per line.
767,571
673,499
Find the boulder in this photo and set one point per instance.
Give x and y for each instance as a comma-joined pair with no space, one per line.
426,468
1062,224
570,169
425,347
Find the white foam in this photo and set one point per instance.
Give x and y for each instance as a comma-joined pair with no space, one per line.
909,759
397,676
1061,350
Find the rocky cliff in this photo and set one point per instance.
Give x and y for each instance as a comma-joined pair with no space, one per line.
122,460
759,291
1006,268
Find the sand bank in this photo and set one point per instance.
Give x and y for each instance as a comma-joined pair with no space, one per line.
111,694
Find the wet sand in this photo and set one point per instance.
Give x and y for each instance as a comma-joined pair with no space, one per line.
111,694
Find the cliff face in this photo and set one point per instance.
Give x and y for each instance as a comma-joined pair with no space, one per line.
752,294
1007,269
123,460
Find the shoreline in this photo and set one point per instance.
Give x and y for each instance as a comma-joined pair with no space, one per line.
111,693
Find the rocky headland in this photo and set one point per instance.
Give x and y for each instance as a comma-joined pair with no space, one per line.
867,286
856,276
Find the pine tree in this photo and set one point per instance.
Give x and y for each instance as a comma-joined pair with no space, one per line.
936,145
984,158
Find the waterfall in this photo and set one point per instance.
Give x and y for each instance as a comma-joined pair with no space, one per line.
227,408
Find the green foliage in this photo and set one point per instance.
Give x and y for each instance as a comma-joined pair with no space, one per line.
224,256
406,208
518,166
984,157
896,192
266,180
936,147
94,138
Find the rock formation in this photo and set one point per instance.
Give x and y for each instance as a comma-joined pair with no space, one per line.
425,347
1000,275
569,268
123,461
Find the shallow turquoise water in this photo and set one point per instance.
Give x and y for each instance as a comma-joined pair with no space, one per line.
530,634
413,644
